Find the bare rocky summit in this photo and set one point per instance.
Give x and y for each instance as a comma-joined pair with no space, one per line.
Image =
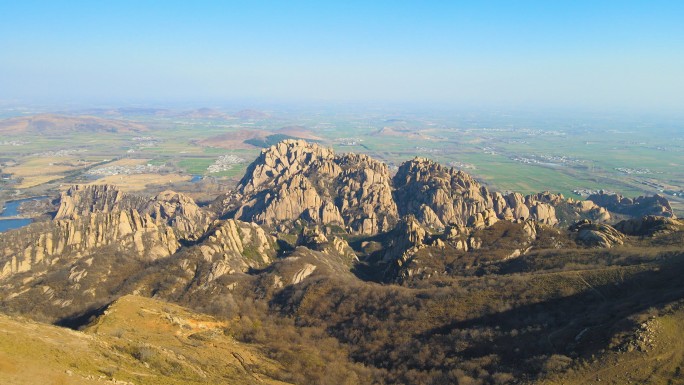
295,179
438,196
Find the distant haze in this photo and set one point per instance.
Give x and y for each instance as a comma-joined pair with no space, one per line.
598,54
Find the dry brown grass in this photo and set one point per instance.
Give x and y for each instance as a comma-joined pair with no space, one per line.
139,182
138,340
36,171
661,363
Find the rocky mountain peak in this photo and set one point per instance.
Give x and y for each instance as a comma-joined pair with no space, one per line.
284,159
298,180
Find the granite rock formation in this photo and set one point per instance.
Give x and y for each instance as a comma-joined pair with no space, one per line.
635,207
650,226
597,234
294,179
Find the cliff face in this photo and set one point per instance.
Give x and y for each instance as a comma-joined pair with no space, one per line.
168,207
180,212
67,266
231,247
91,218
44,244
82,200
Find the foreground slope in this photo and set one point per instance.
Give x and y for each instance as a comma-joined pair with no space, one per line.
650,353
137,340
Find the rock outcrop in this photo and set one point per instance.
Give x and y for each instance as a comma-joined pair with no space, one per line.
597,234
656,205
229,247
168,207
649,226
297,180
63,280
45,243
81,200
180,212
437,196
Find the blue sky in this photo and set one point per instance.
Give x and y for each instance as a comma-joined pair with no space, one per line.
598,54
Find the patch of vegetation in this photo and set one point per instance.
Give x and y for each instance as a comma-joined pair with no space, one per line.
269,140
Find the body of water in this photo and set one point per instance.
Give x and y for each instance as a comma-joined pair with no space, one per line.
11,224
12,210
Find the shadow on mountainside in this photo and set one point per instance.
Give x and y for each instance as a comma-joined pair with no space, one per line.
581,325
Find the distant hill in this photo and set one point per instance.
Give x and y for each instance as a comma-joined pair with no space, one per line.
203,113
62,124
400,132
251,114
248,139
123,112
235,140
300,132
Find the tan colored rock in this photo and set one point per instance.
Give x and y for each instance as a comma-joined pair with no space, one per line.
297,180
597,234
180,212
306,271
43,243
650,226
543,213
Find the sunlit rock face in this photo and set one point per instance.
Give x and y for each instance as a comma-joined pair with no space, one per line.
295,179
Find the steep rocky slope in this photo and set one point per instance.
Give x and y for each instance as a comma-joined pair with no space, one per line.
438,196
43,244
90,218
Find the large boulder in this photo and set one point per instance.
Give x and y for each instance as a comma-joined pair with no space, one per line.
597,234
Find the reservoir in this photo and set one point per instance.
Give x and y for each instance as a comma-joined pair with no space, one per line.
12,210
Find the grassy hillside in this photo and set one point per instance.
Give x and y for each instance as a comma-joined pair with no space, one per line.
136,340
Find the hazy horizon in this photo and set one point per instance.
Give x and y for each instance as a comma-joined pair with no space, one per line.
580,55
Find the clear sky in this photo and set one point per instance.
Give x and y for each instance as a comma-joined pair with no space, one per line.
623,54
